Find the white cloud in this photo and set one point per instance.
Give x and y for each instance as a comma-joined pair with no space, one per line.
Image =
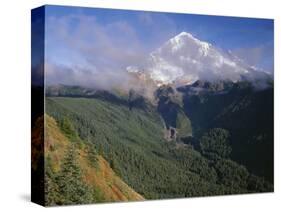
80,40
260,56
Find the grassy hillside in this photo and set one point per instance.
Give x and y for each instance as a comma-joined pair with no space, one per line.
75,173
132,140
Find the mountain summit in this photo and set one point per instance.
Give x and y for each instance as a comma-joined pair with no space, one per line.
184,59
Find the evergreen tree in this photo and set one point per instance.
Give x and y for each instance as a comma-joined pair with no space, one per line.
71,186
215,143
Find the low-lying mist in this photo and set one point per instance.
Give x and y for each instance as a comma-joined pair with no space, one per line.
119,80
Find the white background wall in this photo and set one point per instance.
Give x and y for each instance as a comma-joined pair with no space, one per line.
15,104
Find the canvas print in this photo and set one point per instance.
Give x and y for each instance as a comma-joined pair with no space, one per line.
137,105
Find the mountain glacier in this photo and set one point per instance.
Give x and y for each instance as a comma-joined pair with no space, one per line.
185,59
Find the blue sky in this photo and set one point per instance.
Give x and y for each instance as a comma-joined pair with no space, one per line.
104,39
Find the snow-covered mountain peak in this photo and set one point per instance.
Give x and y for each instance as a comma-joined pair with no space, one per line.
181,36
184,59
184,35
184,38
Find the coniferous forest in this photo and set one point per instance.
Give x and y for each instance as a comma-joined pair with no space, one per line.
205,154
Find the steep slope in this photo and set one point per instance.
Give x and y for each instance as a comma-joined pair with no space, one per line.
242,109
99,182
169,106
